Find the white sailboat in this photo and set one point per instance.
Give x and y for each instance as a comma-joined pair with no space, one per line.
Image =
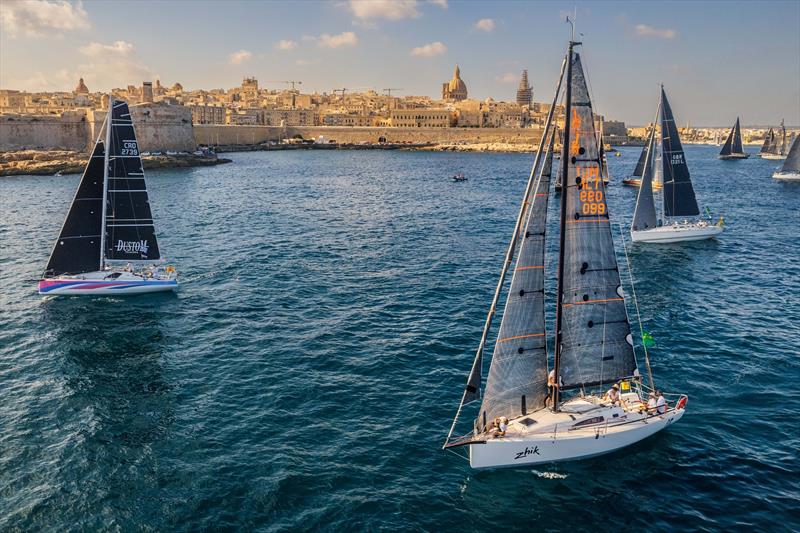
790,171
107,244
519,423
635,179
679,217
775,147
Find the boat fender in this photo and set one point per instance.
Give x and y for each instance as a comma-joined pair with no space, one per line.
170,269
681,403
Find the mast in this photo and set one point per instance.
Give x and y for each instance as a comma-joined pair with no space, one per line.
562,224
472,388
109,123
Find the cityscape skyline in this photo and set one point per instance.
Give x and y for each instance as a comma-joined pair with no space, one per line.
411,46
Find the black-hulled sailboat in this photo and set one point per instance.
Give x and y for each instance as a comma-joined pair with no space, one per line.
679,219
519,423
732,149
775,146
790,170
108,243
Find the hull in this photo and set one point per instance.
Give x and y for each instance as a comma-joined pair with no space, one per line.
637,182
679,233
772,156
735,156
99,284
618,428
787,176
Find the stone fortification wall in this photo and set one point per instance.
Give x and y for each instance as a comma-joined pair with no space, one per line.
159,127
227,135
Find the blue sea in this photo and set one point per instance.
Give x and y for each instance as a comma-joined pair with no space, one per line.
305,376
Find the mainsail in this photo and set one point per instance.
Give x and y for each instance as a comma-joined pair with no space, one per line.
792,161
77,249
733,144
644,217
679,198
130,233
769,141
517,380
593,337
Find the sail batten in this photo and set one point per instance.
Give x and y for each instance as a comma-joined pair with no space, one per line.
593,331
130,231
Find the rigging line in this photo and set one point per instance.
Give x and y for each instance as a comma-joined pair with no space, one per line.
512,244
636,306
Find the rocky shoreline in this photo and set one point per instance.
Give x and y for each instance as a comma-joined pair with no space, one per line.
48,163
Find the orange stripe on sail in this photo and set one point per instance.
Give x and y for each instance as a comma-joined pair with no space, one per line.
520,337
529,267
595,301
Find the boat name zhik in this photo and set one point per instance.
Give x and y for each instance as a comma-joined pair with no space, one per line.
527,452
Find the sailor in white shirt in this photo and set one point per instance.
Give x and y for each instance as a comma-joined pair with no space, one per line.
661,403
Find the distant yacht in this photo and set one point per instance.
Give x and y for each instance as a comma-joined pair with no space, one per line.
635,179
775,146
732,149
790,171
108,244
680,211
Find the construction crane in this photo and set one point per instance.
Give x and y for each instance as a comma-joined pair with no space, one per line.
343,90
292,83
389,90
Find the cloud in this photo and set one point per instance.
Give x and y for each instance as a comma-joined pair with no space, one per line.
95,49
384,9
486,25
39,18
644,30
429,50
347,38
286,44
62,80
440,3
508,77
237,58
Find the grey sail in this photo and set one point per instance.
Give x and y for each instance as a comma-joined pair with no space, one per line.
637,172
517,380
678,193
737,138
644,217
130,232
768,141
595,338
780,145
727,148
792,161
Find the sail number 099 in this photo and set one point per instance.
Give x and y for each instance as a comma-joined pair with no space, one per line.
591,195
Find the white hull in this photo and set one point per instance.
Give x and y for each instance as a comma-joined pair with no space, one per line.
105,283
787,176
676,233
772,156
562,442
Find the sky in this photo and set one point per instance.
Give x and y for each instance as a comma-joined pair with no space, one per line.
716,59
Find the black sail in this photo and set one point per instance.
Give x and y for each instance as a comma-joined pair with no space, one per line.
77,249
130,233
596,344
737,147
768,141
678,193
637,172
644,217
792,161
517,380
727,148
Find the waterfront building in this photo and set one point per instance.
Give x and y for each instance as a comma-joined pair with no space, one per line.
147,91
455,89
422,118
525,91
207,114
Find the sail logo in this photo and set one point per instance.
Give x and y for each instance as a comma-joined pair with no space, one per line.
527,451
129,148
132,247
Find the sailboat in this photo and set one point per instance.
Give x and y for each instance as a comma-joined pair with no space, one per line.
790,171
732,149
635,179
775,146
678,198
107,244
519,423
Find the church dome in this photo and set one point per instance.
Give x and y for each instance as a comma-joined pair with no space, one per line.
81,87
455,89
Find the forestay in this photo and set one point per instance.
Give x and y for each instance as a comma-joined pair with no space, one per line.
77,249
130,233
678,193
517,380
596,343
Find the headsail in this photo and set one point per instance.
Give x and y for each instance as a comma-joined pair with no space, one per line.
792,161
737,147
644,217
679,197
595,339
77,249
727,148
130,233
517,380
769,140
642,157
